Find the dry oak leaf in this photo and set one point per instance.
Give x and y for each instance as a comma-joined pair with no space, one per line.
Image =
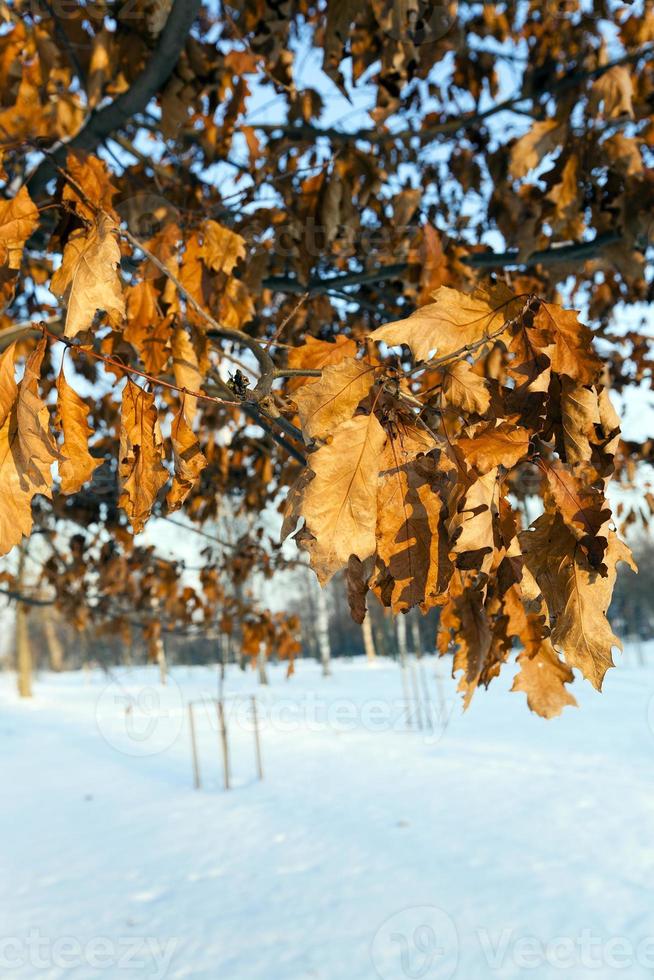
572,353
357,578
141,471
340,503
88,280
92,177
542,677
543,138
582,506
470,526
188,458
411,539
465,390
186,368
27,448
496,445
145,329
454,321
577,597
221,247
236,306
18,219
613,91
579,416
314,355
474,640
77,466
333,399
582,631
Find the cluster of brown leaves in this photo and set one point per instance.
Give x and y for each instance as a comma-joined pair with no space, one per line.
418,466
419,503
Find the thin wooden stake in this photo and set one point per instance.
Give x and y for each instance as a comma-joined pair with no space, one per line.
194,749
257,742
223,739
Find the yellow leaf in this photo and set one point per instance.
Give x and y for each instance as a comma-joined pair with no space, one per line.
577,596
78,465
140,469
88,280
465,390
495,445
323,406
470,526
411,540
186,368
543,138
572,353
318,354
221,248
18,219
542,677
613,91
453,321
340,503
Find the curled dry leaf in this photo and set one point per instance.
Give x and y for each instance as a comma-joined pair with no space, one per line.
412,559
576,595
188,458
141,471
77,465
543,138
612,93
27,448
87,280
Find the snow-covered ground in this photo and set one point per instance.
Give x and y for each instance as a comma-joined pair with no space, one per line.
502,846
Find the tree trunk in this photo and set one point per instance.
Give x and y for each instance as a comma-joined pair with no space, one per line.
161,660
322,629
400,634
55,648
261,664
416,639
23,652
368,641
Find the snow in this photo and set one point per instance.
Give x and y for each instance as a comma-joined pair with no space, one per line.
500,845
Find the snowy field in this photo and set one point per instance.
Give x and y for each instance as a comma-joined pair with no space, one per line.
498,845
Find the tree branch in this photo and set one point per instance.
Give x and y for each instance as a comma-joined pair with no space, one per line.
453,125
154,76
547,256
